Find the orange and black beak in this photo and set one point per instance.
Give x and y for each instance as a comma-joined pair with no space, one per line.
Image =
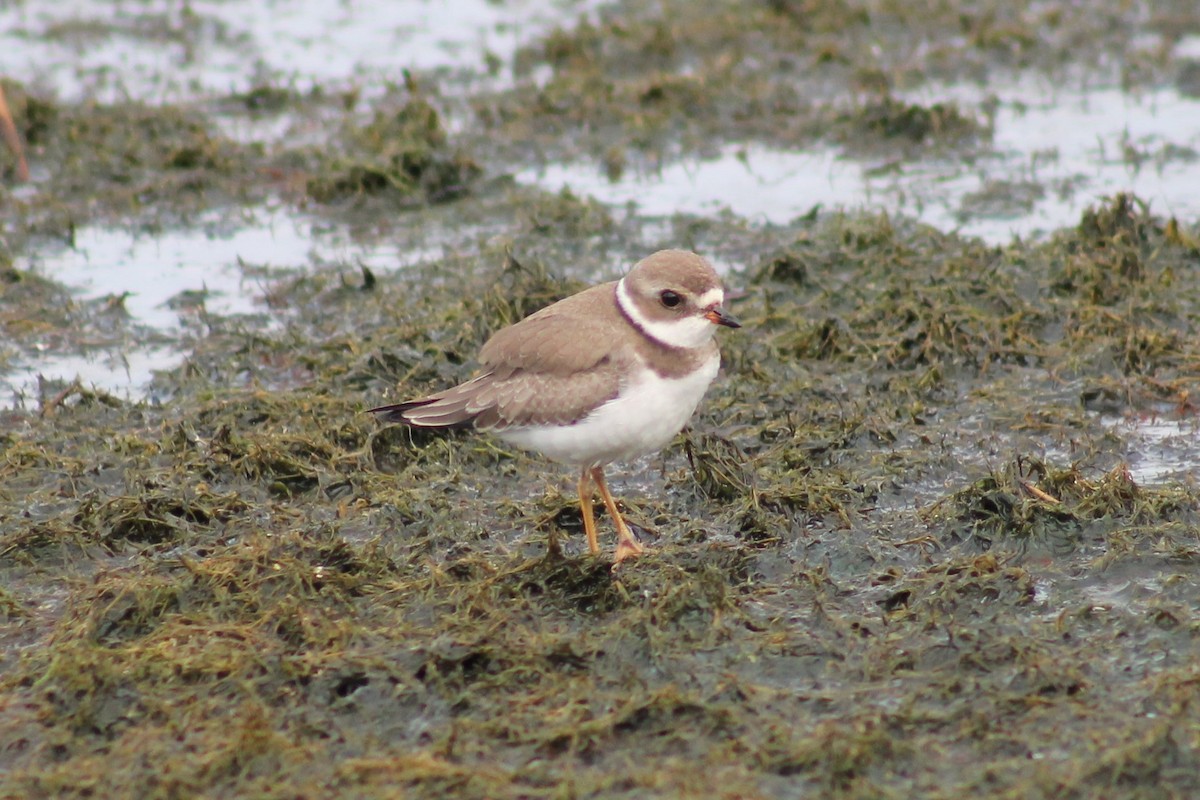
718,316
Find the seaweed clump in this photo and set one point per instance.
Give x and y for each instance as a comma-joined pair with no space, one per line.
404,153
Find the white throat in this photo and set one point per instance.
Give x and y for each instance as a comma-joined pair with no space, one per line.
684,332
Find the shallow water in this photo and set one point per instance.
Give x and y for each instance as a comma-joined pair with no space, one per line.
1054,153
107,51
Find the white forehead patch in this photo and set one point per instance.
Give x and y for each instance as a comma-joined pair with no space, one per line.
714,296
685,332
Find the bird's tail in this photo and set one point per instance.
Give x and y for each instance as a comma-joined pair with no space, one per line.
453,408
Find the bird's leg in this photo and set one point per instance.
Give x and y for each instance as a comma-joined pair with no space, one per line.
626,545
585,509
8,132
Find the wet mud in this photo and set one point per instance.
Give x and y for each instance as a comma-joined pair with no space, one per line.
903,549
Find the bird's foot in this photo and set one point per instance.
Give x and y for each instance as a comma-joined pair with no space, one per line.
627,548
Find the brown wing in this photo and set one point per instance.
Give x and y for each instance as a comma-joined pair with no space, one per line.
572,335
552,367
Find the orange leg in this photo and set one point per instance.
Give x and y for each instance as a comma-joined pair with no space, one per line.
585,508
626,545
8,132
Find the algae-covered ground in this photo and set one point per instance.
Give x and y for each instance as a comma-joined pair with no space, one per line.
900,552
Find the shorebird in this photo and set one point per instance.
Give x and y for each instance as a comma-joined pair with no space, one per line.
603,376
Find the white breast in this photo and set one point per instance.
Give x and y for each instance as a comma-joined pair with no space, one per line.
646,415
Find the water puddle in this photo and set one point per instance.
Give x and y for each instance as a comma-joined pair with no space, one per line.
752,181
156,274
166,281
1054,154
1161,450
110,51
120,372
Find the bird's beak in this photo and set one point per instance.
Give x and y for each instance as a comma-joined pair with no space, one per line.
718,316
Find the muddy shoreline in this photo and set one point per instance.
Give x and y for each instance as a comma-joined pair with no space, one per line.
907,547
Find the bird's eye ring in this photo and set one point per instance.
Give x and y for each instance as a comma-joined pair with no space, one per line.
670,299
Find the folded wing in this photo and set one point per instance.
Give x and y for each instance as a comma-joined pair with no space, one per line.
533,373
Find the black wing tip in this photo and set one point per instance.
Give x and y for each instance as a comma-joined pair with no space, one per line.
398,413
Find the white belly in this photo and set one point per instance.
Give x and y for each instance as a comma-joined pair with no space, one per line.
642,419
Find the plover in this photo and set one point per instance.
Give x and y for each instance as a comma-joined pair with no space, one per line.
602,376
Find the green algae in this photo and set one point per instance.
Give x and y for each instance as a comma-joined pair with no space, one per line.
897,554
405,153
1029,498
286,595
657,80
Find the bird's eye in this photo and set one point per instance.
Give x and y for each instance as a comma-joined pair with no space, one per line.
670,299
